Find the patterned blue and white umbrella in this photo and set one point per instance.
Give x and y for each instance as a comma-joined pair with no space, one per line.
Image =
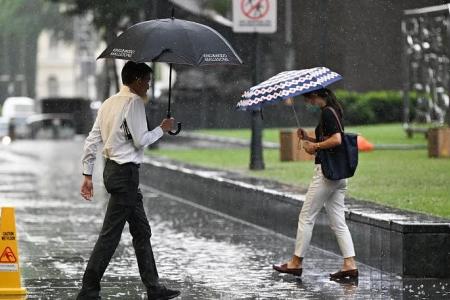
285,85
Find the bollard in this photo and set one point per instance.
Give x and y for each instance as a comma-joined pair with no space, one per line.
10,285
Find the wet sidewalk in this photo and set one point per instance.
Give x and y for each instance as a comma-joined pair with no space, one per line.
205,254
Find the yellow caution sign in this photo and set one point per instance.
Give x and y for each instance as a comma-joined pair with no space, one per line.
10,286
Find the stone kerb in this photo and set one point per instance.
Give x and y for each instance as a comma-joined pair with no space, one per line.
392,240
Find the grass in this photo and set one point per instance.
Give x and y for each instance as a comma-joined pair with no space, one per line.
377,134
403,179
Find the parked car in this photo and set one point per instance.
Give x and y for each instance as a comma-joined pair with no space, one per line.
4,131
15,111
51,126
78,108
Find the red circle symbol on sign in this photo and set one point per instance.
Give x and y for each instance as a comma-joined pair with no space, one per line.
255,9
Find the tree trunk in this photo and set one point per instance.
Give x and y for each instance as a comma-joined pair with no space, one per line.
115,75
107,80
30,63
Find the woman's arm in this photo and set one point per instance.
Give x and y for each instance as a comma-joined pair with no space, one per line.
311,139
303,135
331,142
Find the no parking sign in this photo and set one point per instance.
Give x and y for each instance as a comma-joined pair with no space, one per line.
255,16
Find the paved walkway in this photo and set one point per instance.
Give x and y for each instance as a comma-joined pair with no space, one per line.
204,253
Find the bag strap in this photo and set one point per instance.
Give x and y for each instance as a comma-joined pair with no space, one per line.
337,118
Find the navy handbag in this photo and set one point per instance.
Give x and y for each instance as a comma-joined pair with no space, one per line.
341,161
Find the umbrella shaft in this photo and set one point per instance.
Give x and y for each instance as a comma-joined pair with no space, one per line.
295,115
170,91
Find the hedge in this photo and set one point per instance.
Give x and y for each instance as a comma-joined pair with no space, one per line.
372,107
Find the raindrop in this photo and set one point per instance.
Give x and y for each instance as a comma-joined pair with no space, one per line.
410,40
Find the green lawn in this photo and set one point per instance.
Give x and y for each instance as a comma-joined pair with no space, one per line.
377,134
403,179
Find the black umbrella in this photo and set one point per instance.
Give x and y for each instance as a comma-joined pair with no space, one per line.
172,41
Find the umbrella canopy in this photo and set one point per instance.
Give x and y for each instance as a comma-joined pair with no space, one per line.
285,85
172,41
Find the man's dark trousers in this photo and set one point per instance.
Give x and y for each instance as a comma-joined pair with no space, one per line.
125,205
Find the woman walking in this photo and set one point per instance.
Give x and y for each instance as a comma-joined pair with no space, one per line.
322,191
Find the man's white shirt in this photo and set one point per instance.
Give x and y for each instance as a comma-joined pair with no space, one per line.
108,129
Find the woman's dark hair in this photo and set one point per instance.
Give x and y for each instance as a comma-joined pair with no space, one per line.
329,97
132,71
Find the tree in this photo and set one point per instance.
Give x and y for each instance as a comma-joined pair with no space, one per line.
222,7
22,21
110,17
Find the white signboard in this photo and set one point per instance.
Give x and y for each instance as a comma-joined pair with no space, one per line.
255,16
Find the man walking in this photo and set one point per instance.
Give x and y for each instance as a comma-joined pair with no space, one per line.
121,126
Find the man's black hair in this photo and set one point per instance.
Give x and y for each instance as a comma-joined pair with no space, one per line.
132,71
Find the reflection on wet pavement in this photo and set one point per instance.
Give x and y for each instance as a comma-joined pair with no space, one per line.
204,253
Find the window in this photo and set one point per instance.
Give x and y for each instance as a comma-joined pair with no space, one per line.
52,86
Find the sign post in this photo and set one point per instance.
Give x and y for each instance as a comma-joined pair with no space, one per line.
255,16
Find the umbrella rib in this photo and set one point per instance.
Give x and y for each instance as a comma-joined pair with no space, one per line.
186,59
224,41
142,57
193,48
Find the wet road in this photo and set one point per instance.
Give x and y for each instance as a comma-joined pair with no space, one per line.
201,252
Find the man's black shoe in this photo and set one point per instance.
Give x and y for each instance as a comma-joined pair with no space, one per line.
88,295
162,293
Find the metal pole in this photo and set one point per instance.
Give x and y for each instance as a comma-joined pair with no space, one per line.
116,76
323,25
153,16
170,91
406,83
447,115
152,106
256,148
290,57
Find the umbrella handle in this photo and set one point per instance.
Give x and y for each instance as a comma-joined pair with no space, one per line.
177,131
